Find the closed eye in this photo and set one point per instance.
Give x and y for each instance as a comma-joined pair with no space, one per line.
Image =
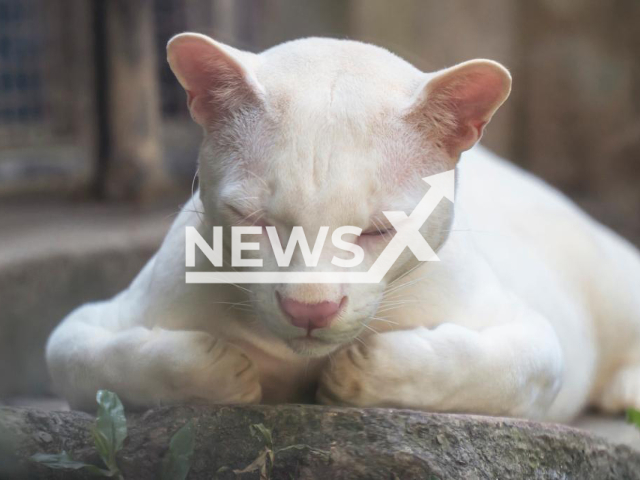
254,218
378,232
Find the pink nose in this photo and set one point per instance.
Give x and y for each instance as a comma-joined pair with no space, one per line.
309,315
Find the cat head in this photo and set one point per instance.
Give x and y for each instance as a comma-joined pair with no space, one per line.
322,132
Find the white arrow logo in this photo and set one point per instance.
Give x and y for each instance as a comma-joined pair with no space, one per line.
442,185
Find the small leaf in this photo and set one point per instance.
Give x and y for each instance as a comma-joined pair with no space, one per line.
58,460
177,462
102,444
297,446
264,431
64,461
633,416
260,463
302,446
111,421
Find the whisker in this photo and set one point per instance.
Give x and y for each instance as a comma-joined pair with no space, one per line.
240,287
375,224
243,220
405,274
260,217
193,185
385,320
231,303
360,340
389,309
400,299
370,328
409,283
246,170
386,308
385,233
228,264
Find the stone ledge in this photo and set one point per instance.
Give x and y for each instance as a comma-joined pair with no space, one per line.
342,443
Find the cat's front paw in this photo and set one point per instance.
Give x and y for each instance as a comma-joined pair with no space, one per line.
622,392
356,376
199,368
386,370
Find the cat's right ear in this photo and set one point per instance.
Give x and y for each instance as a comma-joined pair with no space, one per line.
454,105
218,79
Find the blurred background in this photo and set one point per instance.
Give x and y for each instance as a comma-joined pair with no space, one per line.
97,150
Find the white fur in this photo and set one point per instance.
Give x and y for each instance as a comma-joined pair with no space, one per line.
533,311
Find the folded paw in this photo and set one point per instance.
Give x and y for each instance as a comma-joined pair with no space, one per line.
386,370
362,375
622,392
446,369
195,367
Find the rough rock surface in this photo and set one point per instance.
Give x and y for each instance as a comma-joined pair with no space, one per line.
332,443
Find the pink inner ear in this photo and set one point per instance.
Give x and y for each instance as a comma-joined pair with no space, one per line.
214,82
468,98
475,96
189,58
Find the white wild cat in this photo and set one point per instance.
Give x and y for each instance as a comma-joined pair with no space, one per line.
533,310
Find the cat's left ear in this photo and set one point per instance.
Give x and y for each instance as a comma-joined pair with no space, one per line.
454,105
218,79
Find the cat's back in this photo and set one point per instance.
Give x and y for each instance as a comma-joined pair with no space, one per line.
550,252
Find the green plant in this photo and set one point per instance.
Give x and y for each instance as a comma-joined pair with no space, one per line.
633,417
109,433
177,461
266,458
